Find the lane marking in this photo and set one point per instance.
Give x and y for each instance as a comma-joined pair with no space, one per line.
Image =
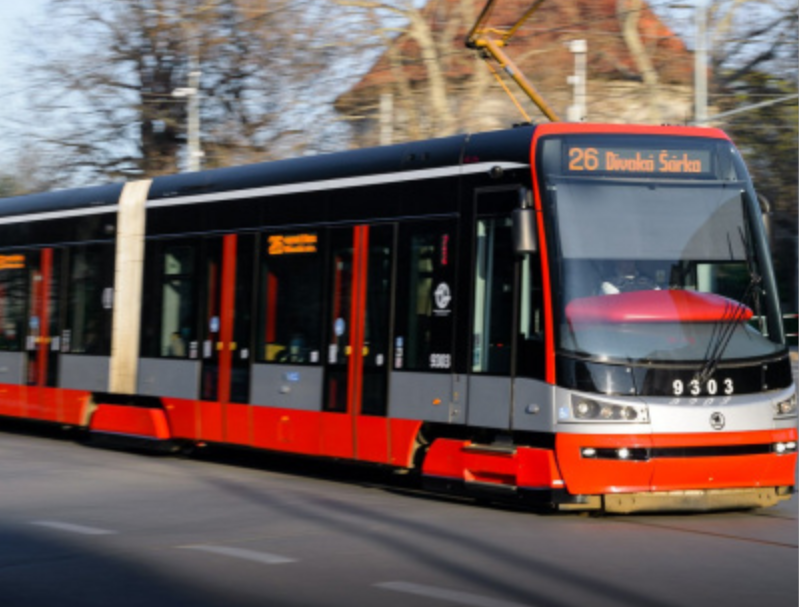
464,598
61,526
241,553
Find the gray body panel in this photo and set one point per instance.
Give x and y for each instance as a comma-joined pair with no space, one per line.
12,367
296,387
176,378
533,407
489,402
82,372
429,397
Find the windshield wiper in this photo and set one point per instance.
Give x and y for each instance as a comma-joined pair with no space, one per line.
725,327
723,332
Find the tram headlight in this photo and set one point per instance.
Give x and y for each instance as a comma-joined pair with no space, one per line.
787,408
787,447
585,409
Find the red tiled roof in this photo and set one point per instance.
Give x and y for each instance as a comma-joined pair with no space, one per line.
540,47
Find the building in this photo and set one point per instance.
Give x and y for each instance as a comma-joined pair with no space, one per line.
427,83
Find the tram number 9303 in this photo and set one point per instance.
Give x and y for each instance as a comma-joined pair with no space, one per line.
711,388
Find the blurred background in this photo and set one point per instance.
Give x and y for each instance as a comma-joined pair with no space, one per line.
92,92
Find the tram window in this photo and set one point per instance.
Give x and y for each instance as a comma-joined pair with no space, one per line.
290,299
91,279
424,334
178,309
530,344
13,301
494,292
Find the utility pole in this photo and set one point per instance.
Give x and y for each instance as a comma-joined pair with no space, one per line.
700,64
577,111
386,112
192,94
700,59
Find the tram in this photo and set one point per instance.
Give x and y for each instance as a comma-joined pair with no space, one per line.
573,315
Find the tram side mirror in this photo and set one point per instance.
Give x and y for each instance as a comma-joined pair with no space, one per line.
523,223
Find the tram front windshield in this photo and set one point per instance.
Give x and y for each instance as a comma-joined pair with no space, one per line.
655,270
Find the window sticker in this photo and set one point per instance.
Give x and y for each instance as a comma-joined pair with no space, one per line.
442,297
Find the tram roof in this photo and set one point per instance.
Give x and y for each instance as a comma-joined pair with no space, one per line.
512,144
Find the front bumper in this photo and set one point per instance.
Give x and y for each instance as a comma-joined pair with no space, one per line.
696,500
672,463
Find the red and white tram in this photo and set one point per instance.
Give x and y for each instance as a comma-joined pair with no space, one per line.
568,314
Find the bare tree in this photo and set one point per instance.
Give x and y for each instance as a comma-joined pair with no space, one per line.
103,93
753,84
433,86
748,35
439,87
629,12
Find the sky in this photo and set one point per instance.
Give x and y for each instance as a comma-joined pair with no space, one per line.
14,15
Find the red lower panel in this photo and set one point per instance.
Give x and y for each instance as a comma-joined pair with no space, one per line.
48,404
184,417
402,441
380,440
373,439
74,407
13,400
486,467
45,403
537,468
38,406
602,476
286,430
445,458
211,426
238,424
336,435
524,467
594,476
723,472
134,421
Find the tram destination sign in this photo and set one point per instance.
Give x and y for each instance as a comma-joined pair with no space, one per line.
637,160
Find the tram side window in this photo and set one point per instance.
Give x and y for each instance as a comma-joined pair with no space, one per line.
13,301
494,292
90,303
425,317
290,299
178,302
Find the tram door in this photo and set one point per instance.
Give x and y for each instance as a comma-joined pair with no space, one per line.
28,318
225,355
357,341
42,324
507,338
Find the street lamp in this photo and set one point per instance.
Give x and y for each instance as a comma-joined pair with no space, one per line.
192,95
700,60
